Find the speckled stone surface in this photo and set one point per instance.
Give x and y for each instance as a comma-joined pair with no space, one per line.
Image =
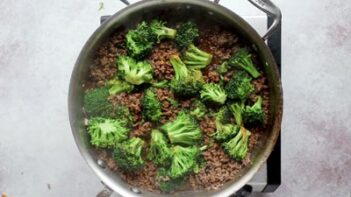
40,40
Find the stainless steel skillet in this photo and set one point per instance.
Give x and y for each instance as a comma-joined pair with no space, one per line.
199,10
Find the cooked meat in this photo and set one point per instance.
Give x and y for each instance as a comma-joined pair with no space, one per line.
169,111
104,67
160,60
142,130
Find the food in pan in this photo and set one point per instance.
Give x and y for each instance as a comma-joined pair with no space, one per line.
175,107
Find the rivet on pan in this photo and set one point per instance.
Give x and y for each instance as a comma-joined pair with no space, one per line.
135,190
188,7
86,121
210,13
101,163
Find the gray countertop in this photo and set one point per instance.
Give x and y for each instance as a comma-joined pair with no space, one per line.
39,43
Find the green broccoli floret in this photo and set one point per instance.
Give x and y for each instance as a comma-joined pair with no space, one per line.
152,107
186,82
254,113
128,154
242,59
122,113
159,152
167,184
214,93
173,102
223,68
106,133
239,86
224,130
186,34
140,41
161,31
237,110
160,84
195,58
223,115
97,104
117,86
134,72
237,147
183,130
184,161
198,109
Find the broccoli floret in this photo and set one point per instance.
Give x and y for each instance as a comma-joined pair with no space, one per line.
97,104
254,113
239,86
198,109
128,154
173,102
161,31
214,93
237,110
223,115
152,107
134,72
237,147
117,86
106,133
160,84
242,59
186,34
186,82
184,161
159,152
224,130
140,41
123,113
167,184
223,68
183,130
195,58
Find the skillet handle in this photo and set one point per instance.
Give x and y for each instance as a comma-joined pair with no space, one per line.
266,6
128,3
271,10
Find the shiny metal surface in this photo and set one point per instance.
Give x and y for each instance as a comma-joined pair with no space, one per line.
272,10
198,10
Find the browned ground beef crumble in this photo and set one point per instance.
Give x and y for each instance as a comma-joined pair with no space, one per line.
219,167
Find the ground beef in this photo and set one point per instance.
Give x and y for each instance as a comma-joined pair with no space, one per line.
131,100
169,110
160,60
104,67
142,130
218,170
207,125
220,43
211,76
